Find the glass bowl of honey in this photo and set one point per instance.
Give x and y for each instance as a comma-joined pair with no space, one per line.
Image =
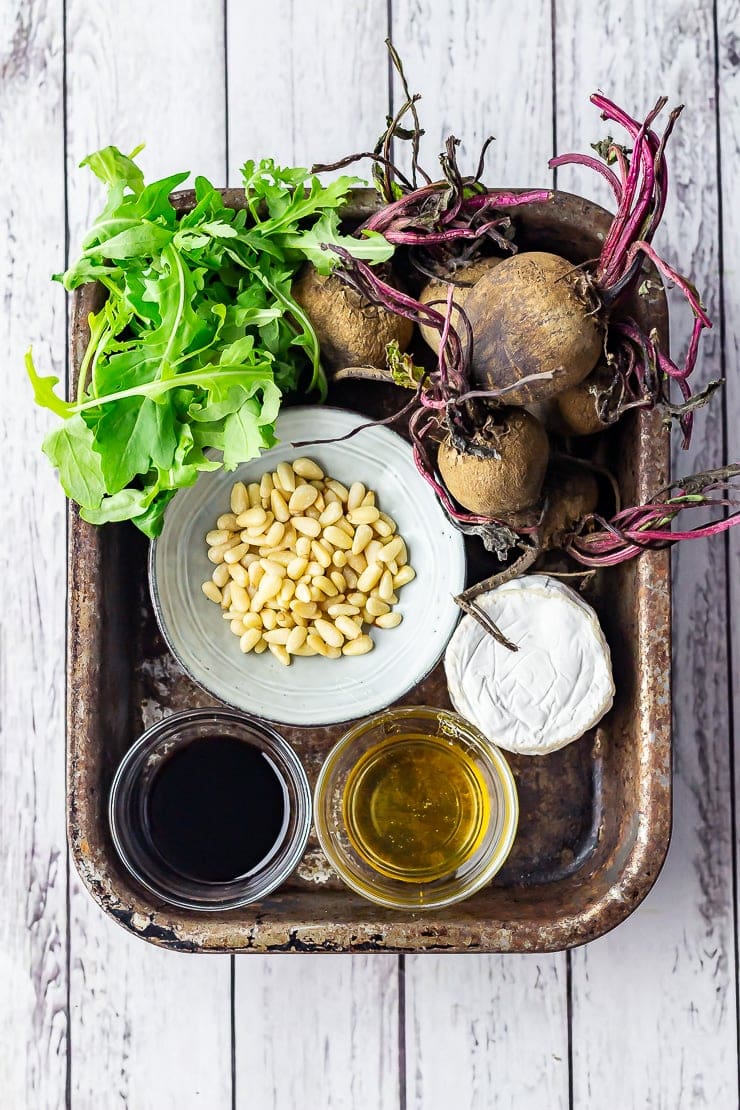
415,808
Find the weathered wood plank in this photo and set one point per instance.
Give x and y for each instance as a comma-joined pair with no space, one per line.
466,61
148,1027
659,991
317,1031
301,104
307,83
486,1031
33,931
728,17
467,1017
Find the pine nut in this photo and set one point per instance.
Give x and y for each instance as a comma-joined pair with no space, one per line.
296,639
359,599
279,506
369,498
356,493
326,585
269,619
239,598
336,487
249,639
385,586
217,537
307,468
303,497
388,620
338,579
259,647
364,514
350,577
388,553
339,559
266,486
287,591
252,620
303,546
296,568
382,529
361,646
321,555
274,534
221,575
286,476
306,609
226,596
363,535
270,586
338,537
273,569
216,554
342,609
212,592
306,650
314,641
282,558
237,627
405,574
306,525
280,653
239,499
329,633
277,636
252,518
228,521
234,554
238,573
284,619
376,607
372,551
303,593
331,513
256,573
369,577
349,629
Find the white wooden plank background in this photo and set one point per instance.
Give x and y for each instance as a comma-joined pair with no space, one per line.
90,1018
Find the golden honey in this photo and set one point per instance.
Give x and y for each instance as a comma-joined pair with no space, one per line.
416,807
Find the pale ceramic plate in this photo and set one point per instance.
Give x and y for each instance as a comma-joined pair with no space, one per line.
313,690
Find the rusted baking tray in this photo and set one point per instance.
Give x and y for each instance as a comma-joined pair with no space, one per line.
595,816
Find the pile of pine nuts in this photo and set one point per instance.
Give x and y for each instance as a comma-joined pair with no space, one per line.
303,564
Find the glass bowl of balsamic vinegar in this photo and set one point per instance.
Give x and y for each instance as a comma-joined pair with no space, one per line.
210,810
415,808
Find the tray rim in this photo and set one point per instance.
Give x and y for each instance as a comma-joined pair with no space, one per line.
391,932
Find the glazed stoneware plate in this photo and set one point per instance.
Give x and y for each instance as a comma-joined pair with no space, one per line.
313,690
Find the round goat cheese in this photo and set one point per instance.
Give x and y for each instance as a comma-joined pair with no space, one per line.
553,689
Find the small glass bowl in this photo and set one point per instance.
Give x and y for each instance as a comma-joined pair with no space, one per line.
128,809
493,844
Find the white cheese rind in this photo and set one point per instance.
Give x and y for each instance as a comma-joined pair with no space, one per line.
552,690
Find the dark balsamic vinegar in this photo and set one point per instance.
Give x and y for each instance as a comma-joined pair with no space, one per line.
216,809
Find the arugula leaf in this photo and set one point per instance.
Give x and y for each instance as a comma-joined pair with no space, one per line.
70,449
200,336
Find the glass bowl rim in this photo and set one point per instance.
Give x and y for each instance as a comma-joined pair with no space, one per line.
501,771
294,848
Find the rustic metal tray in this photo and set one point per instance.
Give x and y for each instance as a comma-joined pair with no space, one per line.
595,816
